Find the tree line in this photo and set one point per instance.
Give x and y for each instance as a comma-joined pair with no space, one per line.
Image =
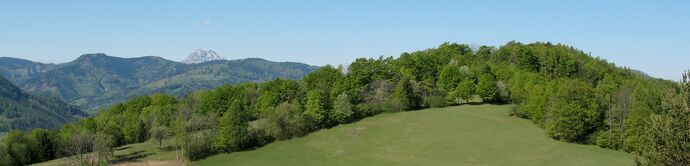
572,95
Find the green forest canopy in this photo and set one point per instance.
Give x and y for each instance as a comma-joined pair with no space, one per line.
575,97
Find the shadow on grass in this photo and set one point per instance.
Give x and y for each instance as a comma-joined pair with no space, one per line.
168,148
130,157
123,147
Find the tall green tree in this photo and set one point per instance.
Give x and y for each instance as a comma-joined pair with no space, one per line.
668,138
486,88
450,77
233,128
574,112
316,110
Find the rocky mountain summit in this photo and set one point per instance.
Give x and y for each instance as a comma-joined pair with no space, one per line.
201,56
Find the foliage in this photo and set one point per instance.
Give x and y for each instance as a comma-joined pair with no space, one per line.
465,90
285,121
278,91
574,113
403,95
486,88
233,128
575,97
316,108
342,109
668,137
21,110
450,76
158,134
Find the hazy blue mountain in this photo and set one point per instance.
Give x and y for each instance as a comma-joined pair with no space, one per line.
95,80
20,110
17,69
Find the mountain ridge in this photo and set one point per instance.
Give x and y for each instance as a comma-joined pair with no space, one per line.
95,80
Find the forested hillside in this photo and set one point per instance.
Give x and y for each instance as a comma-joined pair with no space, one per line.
19,110
95,80
19,70
575,97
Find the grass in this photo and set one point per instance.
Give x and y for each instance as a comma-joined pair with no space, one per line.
463,135
146,153
2,135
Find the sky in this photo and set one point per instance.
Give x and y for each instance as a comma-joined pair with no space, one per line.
652,36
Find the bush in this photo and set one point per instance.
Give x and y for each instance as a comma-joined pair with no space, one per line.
259,133
200,144
434,101
286,121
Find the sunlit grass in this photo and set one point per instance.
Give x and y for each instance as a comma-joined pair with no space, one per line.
462,135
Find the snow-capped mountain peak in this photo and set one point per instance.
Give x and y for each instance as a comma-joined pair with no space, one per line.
201,56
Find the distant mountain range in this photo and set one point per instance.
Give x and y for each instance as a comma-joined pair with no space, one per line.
95,80
21,110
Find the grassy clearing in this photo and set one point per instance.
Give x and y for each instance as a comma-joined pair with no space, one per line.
146,153
464,135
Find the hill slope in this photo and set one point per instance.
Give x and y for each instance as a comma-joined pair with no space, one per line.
465,135
95,80
20,110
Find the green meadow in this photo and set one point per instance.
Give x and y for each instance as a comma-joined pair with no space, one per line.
461,135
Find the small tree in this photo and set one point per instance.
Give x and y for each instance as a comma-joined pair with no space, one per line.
78,146
465,90
159,133
403,95
450,77
342,109
103,148
315,108
180,133
486,88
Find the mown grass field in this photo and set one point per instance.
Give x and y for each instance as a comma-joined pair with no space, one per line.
463,135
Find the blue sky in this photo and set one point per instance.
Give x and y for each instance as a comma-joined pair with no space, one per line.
652,36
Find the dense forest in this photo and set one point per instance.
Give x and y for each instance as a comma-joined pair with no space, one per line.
21,110
575,97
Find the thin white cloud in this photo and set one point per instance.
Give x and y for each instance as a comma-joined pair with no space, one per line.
206,22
